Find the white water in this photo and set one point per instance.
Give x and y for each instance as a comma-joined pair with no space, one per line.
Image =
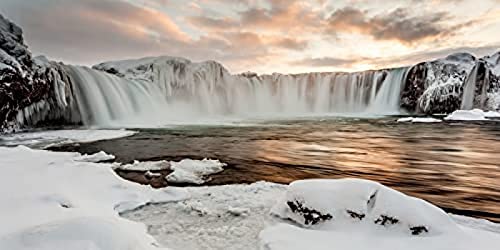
210,93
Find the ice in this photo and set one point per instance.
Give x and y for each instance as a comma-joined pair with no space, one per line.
419,120
358,215
467,115
213,218
145,166
193,171
51,137
97,157
57,203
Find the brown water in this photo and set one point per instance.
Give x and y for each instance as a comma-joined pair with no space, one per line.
453,165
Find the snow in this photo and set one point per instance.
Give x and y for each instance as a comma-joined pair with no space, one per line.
232,217
61,203
419,120
51,137
467,115
97,157
145,166
54,202
193,171
214,218
355,214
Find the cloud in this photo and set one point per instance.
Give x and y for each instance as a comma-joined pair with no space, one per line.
326,62
398,24
86,31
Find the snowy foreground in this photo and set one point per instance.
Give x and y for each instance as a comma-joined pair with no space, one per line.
58,201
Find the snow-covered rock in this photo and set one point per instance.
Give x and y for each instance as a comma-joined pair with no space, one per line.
50,201
440,86
194,171
21,82
358,215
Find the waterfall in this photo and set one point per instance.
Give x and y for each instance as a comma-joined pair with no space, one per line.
469,90
107,100
170,95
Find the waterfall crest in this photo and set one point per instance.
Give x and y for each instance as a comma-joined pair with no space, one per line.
169,93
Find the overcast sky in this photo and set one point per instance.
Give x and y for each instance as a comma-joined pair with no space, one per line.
264,36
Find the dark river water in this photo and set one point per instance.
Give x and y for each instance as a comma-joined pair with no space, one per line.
454,165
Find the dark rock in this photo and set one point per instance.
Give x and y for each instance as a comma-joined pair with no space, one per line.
384,220
311,216
418,230
414,87
356,215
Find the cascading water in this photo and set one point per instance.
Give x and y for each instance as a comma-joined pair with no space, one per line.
187,95
107,100
469,90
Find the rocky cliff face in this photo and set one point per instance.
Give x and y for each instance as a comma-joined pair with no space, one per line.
21,83
32,90
439,86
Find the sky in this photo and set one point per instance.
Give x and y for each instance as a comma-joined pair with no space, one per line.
263,36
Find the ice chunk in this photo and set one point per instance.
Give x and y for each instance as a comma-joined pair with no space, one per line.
194,171
97,157
145,166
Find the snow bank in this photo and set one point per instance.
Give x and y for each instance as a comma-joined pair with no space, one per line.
97,157
193,171
50,201
419,120
47,138
358,214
